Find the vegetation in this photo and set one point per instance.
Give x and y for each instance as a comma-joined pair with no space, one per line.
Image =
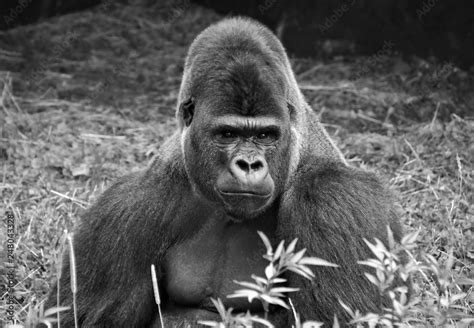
442,308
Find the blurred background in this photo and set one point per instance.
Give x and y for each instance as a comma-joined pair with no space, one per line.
323,28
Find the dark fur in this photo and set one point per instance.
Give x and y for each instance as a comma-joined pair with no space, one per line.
327,205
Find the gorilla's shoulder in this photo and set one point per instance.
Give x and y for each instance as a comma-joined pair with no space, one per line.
318,174
330,182
125,188
342,198
142,194
129,191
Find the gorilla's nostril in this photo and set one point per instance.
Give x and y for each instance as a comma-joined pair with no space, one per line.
243,165
255,166
247,166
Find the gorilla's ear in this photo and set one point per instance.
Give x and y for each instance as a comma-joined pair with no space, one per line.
292,111
187,111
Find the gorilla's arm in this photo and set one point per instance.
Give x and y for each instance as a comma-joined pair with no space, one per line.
331,209
113,267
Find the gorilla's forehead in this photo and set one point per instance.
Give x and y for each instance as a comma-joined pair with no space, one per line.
240,104
242,87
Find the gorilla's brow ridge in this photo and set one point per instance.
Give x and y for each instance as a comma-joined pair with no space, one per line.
247,122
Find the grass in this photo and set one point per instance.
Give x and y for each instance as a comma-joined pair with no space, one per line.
77,113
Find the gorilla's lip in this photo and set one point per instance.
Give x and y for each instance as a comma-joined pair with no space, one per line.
244,193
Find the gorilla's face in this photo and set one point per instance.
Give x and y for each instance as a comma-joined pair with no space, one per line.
244,147
239,161
237,148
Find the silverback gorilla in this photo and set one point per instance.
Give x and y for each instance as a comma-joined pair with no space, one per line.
249,155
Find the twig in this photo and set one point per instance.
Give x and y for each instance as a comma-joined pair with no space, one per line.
70,198
12,98
371,119
413,151
72,267
101,136
156,293
353,114
434,116
293,309
310,71
59,270
326,87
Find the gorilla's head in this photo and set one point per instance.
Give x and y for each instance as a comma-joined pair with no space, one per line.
236,118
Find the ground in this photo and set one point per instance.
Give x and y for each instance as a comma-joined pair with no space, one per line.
90,96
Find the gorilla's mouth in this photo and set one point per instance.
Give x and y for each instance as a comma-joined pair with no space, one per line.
244,193
244,205
245,198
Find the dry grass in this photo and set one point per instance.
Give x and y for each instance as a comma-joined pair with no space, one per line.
74,116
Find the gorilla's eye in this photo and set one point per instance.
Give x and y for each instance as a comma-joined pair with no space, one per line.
267,136
228,135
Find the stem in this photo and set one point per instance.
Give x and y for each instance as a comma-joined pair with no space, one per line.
265,308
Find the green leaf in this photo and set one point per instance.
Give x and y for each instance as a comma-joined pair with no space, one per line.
375,249
249,285
269,271
312,324
410,238
298,256
220,307
55,310
306,269
284,290
372,263
391,240
262,321
212,324
278,280
291,246
261,280
371,278
316,261
267,243
245,293
274,300
278,251
347,309
301,272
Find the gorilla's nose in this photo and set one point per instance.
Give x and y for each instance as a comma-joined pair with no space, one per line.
251,171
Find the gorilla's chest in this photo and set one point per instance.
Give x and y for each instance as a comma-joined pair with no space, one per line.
207,264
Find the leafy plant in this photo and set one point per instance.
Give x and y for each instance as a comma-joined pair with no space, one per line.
233,320
395,268
441,309
270,289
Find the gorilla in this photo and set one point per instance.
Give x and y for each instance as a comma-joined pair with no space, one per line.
249,155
